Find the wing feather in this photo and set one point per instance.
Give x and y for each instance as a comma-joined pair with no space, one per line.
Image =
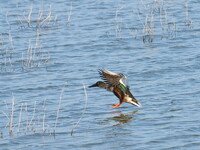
110,77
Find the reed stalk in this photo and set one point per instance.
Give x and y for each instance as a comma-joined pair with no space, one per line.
58,109
29,16
33,116
84,110
44,116
68,15
188,21
11,116
47,18
20,118
26,109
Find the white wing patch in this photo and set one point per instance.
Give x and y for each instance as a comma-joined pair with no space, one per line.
111,73
124,81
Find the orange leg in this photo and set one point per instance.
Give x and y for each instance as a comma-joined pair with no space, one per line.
114,106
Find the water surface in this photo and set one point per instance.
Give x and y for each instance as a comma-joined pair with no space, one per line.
49,53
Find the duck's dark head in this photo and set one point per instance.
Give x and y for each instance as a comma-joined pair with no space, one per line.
99,84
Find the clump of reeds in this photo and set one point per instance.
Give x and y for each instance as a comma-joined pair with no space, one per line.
6,54
153,12
28,20
40,19
36,20
26,119
10,116
16,127
155,20
148,28
34,56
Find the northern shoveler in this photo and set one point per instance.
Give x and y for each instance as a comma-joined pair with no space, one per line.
118,84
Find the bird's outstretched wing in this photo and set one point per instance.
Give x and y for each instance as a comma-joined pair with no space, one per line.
111,77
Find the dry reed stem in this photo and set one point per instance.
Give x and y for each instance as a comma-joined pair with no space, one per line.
29,16
26,108
138,14
8,21
11,116
7,118
11,50
5,61
29,54
69,14
48,17
33,116
18,18
118,25
58,110
143,5
86,101
23,66
39,18
44,116
6,114
188,22
20,118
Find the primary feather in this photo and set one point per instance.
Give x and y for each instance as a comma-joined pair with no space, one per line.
111,77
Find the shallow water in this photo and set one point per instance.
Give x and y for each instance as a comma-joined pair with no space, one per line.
47,61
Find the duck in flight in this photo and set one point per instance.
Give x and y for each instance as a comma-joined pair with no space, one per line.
118,84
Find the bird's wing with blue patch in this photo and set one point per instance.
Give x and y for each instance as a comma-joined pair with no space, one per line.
110,77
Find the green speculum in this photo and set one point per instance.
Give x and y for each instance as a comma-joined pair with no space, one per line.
122,87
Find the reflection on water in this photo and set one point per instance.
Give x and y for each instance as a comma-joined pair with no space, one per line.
121,118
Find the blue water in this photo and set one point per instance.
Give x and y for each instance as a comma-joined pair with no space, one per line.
49,60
